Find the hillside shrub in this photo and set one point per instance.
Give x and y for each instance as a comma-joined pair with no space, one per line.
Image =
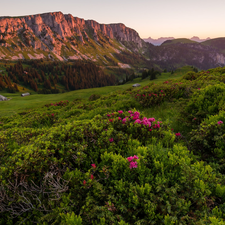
203,103
209,137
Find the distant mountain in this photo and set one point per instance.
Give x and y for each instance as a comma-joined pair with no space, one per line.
157,41
183,51
195,38
160,40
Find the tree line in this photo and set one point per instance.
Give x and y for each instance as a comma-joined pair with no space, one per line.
48,77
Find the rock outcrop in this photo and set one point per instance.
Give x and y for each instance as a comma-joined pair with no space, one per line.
53,31
2,98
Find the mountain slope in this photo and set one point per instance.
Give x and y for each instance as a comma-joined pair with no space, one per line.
179,52
63,37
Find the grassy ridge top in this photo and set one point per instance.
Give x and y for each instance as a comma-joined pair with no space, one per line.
178,40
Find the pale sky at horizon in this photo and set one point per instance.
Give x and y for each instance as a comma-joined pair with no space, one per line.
150,18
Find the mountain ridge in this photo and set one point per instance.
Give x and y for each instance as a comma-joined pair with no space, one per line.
57,32
58,36
161,40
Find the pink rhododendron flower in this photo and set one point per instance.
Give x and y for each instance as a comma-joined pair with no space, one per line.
119,118
84,182
92,177
135,157
177,134
124,120
133,165
120,111
150,129
220,122
151,119
130,158
108,115
137,121
93,165
111,139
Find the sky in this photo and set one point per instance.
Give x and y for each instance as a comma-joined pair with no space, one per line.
150,18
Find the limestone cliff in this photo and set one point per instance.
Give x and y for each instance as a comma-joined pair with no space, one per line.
56,33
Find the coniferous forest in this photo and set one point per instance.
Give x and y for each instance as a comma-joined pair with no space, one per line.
54,77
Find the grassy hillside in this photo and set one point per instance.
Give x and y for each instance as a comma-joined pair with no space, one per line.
148,155
178,40
19,104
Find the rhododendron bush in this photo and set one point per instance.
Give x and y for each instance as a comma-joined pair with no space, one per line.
107,160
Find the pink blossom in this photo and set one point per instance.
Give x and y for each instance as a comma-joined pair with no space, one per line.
161,90
130,111
93,165
120,111
137,121
119,118
130,158
151,119
92,177
111,139
220,122
177,134
135,157
133,165
135,117
108,115
124,121
84,182
150,129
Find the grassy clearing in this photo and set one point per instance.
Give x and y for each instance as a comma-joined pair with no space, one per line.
19,104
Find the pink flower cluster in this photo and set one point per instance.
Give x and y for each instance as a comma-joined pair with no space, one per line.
132,161
135,116
220,122
62,103
145,121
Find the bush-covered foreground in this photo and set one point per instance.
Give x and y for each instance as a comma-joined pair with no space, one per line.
104,161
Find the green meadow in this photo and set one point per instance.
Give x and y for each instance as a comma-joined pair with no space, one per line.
18,103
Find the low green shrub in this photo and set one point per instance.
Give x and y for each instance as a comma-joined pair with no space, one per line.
209,137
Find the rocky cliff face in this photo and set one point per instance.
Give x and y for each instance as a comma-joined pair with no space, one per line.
56,32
